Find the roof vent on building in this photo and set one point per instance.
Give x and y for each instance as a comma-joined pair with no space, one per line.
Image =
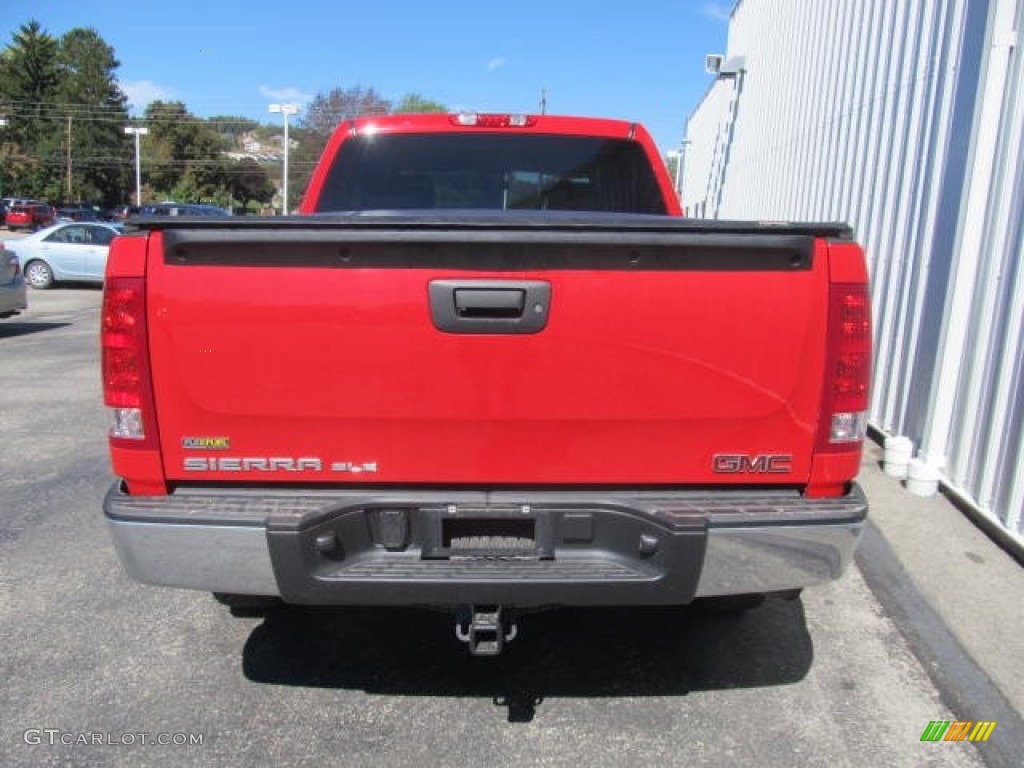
713,63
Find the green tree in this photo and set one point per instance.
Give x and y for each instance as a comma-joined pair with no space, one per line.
323,114
414,102
230,129
29,79
181,152
672,165
50,88
212,179
15,164
231,125
249,181
319,119
208,185
96,111
307,146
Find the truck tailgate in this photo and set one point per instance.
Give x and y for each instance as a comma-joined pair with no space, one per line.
324,355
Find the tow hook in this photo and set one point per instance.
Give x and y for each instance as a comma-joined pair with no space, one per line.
485,629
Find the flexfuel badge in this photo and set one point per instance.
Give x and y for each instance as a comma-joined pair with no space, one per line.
206,443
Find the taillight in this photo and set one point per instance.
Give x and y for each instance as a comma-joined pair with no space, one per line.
843,422
127,388
493,120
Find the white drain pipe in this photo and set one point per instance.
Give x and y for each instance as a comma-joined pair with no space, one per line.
898,452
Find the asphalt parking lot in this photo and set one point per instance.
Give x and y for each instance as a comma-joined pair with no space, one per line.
830,679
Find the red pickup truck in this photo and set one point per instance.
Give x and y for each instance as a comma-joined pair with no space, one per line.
489,368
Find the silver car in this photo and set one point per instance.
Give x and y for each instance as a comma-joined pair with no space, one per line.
67,251
12,284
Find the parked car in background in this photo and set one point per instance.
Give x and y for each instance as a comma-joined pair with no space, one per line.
12,284
18,216
183,209
79,212
122,212
6,203
73,251
31,216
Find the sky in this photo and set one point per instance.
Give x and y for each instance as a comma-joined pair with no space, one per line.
642,60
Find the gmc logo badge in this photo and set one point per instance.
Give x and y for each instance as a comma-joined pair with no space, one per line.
762,464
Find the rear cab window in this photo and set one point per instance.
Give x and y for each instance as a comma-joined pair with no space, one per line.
491,172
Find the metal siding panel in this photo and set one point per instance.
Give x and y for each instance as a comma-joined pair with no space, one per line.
1012,496
869,202
808,119
836,159
1008,479
866,106
852,157
1003,486
863,110
906,197
978,438
805,109
979,446
893,236
970,258
702,132
966,33
921,227
780,73
879,183
825,105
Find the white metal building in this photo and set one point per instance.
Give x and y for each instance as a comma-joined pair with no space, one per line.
906,119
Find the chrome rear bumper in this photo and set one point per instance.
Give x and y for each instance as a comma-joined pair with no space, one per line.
589,548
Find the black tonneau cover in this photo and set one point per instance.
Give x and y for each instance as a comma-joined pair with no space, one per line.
479,221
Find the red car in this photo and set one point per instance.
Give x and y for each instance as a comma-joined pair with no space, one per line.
31,216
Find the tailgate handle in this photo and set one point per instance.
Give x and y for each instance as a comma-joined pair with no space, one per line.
490,306
494,303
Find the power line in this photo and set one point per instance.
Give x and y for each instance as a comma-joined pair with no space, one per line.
104,113
228,166
116,112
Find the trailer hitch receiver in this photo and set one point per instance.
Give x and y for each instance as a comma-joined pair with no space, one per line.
485,629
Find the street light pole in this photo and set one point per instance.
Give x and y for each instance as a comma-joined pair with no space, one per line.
285,110
3,122
675,154
679,155
683,147
137,130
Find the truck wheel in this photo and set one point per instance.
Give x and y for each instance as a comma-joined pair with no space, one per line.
789,594
38,274
248,605
727,605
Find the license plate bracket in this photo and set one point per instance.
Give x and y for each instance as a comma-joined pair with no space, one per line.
459,533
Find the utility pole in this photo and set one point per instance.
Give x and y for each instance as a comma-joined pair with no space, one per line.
137,131
3,122
543,101
285,110
68,198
